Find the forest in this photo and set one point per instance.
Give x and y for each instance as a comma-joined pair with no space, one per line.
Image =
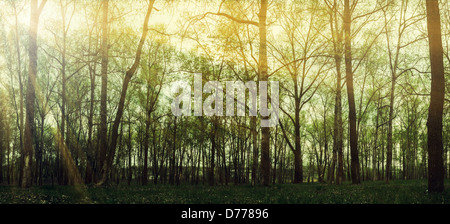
87,92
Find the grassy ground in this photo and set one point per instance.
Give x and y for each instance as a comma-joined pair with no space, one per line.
397,192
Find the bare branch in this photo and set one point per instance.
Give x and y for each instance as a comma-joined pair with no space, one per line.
232,18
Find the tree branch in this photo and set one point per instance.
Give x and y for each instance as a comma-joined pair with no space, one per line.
232,18
41,7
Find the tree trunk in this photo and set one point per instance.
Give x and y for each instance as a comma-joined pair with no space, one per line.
19,73
263,76
155,160
298,161
130,168
172,156
2,141
90,163
31,94
298,167
435,112
213,152
146,141
103,132
106,168
276,152
254,134
355,175
375,144
338,157
321,171
390,120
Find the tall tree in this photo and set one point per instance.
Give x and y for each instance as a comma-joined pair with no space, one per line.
153,88
355,169
435,112
406,19
303,63
19,75
106,168
31,94
263,76
92,47
103,132
337,39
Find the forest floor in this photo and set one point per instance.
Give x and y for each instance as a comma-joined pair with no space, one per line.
378,192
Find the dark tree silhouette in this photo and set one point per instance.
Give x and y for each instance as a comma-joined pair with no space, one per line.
435,112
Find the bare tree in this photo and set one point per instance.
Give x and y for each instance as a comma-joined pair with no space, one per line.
407,19
106,168
262,76
305,62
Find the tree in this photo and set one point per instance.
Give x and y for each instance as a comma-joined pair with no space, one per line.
348,19
92,61
156,66
342,38
435,112
337,40
262,76
96,107
304,62
19,75
62,46
351,95
406,20
106,168
103,132
31,94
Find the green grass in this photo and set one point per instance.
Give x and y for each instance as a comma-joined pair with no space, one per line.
397,192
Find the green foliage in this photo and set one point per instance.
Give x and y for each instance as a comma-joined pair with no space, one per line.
397,192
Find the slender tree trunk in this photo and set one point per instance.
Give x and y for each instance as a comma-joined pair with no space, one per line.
332,168
39,153
375,144
276,152
19,73
172,156
224,161
338,143
390,120
254,134
213,152
130,168
298,161
263,76
155,157
8,160
103,132
338,156
2,141
435,112
321,172
63,145
128,75
146,141
355,169
90,163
